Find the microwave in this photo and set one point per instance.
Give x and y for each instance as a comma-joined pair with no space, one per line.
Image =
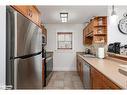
44,42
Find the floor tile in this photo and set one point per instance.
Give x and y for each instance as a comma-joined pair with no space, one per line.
64,80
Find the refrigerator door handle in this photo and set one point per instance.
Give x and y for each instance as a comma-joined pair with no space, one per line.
9,87
27,56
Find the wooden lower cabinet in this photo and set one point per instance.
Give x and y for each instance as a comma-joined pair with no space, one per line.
99,81
80,68
109,84
96,79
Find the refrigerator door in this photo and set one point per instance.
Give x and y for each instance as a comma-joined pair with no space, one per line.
29,73
28,37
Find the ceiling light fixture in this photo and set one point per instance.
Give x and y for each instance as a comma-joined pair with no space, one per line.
113,11
64,17
113,15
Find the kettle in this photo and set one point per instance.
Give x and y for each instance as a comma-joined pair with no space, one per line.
87,51
101,52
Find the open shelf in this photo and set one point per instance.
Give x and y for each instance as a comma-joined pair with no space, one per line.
100,26
100,34
90,34
95,31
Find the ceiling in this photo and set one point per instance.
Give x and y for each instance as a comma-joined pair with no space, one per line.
76,14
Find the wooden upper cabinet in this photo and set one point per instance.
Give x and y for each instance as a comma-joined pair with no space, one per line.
31,12
96,31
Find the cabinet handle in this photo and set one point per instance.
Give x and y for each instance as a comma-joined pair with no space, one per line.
30,12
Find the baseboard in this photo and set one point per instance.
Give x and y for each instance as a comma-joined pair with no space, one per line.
63,69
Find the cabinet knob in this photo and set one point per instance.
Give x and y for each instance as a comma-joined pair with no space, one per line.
30,12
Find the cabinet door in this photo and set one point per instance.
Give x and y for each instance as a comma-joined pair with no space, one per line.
109,84
77,65
22,9
31,12
34,14
97,79
80,67
81,71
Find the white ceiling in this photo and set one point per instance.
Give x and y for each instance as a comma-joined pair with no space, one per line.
76,14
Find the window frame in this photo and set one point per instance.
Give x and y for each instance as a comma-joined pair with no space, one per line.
64,33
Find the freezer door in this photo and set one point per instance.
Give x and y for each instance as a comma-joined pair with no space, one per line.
28,37
29,73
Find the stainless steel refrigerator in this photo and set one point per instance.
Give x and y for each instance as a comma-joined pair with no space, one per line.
24,52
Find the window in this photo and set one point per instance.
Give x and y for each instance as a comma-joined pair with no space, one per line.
64,40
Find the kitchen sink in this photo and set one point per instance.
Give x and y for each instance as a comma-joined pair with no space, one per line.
123,69
89,55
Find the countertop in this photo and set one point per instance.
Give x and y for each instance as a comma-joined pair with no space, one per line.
109,68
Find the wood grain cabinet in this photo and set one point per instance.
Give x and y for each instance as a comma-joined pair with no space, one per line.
109,84
99,81
80,68
96,79
95,31
31,12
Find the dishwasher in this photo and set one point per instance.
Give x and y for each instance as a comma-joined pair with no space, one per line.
86,75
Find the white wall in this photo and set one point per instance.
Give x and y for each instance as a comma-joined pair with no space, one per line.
114,34
2,45
64,60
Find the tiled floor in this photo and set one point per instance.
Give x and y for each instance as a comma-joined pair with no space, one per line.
65,80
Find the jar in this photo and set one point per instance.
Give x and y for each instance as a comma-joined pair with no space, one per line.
99,30
122,50
125,50
100,21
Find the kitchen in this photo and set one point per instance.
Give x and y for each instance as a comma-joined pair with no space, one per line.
61,47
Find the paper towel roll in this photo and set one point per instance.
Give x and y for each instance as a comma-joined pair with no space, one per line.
101,53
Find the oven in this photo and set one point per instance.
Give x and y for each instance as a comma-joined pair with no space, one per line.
48,67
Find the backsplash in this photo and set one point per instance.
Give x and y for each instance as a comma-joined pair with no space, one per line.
94,48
